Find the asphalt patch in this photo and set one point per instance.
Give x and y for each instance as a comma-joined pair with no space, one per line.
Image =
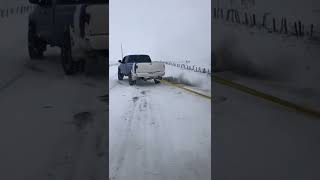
34,68
219,99
104,98
143,92
135,99
89,84
47,107
82,119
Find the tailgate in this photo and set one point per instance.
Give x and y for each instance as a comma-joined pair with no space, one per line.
99,21
150,67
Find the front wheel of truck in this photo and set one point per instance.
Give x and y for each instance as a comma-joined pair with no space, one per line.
36,47
120,75
68,64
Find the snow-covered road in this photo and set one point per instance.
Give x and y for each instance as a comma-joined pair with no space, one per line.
52,125
157,132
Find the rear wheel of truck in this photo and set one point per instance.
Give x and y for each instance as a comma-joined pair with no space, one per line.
68,64
157,81
131,81
120,75
36,47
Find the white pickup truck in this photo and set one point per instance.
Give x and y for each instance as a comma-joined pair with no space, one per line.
140,67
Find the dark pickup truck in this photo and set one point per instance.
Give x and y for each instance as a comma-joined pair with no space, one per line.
140,67
78,27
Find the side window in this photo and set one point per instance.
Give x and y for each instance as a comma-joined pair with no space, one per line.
125,59
131,60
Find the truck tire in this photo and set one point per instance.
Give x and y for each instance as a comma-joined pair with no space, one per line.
35,46
157,81
120,75
68,64
131,81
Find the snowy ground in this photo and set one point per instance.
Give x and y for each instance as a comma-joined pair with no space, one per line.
157,132
256,139
52,125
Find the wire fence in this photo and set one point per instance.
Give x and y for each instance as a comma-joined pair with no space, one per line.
15,11
187,66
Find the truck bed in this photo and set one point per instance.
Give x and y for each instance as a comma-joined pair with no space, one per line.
148,70
97,29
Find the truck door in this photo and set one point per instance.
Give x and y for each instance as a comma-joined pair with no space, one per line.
122,66
127,65
44,19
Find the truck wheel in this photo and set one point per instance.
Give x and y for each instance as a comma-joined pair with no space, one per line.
68,64
35,46
120,75
131,81
82,65
157,81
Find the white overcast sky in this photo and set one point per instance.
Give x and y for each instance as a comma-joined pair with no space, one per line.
164,29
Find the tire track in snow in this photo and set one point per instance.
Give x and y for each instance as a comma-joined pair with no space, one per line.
149,149
141,123
116,85
147,133
128,117
152,138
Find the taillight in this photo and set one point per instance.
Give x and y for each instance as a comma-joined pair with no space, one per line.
135,68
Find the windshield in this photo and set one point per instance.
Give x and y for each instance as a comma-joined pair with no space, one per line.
139,59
